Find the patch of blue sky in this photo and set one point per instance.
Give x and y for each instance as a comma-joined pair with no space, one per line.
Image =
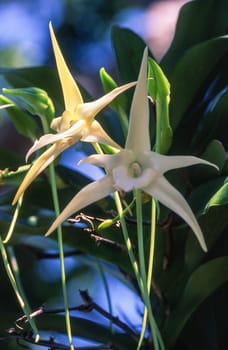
100,53
25,27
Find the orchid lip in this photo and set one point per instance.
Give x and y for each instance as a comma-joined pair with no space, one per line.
135,169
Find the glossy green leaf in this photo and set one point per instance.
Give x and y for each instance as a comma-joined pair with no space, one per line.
220,197
197,23
159,89
212,224
214,123
215,153
109,84
119,104
202,283
34,100
191,75
201,196
42,77
129,49
24,124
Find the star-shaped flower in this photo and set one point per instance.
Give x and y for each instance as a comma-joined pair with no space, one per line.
137,167
76,123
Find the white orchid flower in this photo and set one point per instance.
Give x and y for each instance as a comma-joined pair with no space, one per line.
76,123
137,167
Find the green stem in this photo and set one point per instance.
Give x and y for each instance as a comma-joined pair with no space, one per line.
105,283
14,277
61,255
158,126
60,242
124,121
135,267
14,220
150,271
152,243
141,253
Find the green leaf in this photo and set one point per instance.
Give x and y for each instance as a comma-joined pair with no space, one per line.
191,75
35,100
220,197
129,49
216,154
212,224
201,196
198,21
201,284
159,86
214,122
109,84
159,89
119,105
23,123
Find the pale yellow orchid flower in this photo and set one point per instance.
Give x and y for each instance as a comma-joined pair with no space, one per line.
137,167
76,123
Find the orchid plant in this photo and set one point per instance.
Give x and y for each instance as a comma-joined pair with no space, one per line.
137,167
160,230
76,123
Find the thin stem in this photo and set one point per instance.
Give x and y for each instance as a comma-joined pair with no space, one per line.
158,126
152,244
134,264
17,287
14,220
127,238
60,242
61,255
141,250
106,288
123,120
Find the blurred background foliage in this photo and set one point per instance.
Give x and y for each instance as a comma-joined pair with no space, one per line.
190,287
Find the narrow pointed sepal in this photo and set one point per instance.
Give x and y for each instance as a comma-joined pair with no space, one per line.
89,110
38,166
138,138
165,163
166,194
71,92
95,133
88,195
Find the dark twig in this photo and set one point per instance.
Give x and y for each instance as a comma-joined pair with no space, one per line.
101,240
50,343
88,306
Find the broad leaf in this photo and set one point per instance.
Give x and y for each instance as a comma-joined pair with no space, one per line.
202,283
197,23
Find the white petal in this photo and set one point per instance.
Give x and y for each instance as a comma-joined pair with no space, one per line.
164,163
165,193
90,109
138,138
102,160
95,133
38,166
75,131
71,92
88,195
